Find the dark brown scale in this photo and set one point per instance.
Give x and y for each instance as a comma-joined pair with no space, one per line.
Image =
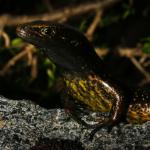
91,98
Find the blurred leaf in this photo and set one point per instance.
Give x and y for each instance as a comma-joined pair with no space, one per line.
128,11
47,62
147,39
82,26
50,70
146,48
16,42
51,77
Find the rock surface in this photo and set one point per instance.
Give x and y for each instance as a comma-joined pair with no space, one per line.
25,125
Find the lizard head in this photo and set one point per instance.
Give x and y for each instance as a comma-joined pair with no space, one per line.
64,45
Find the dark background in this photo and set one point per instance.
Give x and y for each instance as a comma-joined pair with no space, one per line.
124,24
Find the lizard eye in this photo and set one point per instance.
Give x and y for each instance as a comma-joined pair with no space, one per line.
44,31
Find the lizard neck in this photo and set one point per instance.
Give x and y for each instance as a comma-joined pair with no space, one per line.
91,90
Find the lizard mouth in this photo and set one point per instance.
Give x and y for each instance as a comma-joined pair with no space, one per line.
20,32
24,32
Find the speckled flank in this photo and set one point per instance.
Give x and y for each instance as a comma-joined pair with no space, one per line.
99,96
92,91
138,113
139,109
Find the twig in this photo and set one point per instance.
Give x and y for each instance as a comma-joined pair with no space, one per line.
57,15
17,57
6,38
145,64
144,82
140,68
94,24
30,57
101,51
34,68
143,59
123,52
131,54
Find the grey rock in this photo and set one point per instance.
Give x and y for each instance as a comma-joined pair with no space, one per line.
23,124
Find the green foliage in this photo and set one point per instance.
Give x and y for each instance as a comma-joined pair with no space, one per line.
146,46
16,42
128,11
50,71
82,26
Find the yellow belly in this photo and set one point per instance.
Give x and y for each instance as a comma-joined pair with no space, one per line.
96,94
